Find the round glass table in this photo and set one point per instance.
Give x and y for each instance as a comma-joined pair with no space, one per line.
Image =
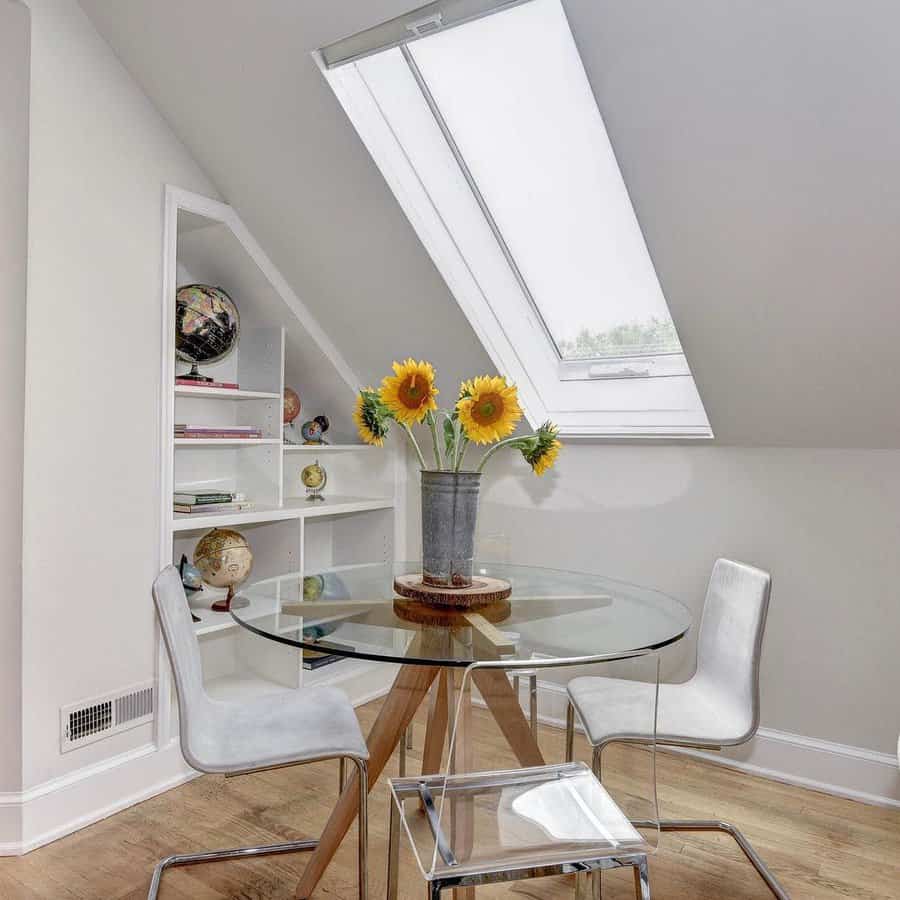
354,611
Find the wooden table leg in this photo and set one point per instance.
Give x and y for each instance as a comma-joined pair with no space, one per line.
436,729
502,701
409,689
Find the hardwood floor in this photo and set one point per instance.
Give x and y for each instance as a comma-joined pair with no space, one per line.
818,846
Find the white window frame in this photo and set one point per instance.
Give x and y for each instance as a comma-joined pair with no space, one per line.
638,396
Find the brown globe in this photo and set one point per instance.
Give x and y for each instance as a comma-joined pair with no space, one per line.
225,560
291,406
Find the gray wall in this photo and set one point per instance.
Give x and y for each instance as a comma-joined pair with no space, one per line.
14,80
824,522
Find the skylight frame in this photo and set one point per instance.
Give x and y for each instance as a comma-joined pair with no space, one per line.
633,394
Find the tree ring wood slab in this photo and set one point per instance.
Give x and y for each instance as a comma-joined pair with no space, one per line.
420,613
482,592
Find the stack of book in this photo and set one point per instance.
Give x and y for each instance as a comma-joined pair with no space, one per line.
315,659
232,432
209,502
190,382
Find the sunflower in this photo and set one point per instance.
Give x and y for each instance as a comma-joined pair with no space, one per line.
409,393
541,449
371,417
488,408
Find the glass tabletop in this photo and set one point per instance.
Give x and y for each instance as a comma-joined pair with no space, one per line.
354,611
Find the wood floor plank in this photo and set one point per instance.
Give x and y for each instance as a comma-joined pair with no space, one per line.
820,847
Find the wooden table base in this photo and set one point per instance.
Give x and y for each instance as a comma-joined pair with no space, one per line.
406,695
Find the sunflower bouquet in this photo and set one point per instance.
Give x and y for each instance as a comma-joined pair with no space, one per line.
486,413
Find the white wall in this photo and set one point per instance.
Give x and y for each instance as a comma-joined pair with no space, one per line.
14,45
100,155
824,522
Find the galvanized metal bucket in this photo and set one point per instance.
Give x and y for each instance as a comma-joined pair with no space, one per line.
449,512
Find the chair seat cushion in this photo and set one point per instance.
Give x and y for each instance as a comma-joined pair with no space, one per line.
690,713
273,730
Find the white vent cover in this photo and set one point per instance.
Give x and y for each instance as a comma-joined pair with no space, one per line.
89,721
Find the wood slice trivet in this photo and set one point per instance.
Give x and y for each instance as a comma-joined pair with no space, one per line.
482,592
420,613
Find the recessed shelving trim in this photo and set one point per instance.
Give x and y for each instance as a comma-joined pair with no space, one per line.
225,393
294,508
324,448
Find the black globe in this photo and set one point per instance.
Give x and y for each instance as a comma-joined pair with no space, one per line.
207,324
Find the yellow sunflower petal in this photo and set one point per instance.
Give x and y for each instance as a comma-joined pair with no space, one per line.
488,408
545,461
409,393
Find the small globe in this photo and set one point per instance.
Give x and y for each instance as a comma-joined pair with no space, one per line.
225,560
313,476
207,324
291,406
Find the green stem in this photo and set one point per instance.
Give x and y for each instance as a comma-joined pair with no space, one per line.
495,448
415,444
438,461
461,455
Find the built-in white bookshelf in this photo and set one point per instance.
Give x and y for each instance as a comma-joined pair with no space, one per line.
280,345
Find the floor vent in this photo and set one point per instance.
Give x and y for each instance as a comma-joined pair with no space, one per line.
100,717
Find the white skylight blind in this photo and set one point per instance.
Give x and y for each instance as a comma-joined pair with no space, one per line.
485,126
526,123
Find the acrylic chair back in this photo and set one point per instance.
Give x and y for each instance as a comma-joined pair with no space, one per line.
730,642
184,656
513,817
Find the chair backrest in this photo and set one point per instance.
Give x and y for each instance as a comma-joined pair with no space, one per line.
184,654
731,635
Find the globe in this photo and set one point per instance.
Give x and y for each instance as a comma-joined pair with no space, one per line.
291,406
207,326
224,559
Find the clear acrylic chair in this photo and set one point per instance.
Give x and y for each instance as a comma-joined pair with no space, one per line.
468,827
718,707
243,736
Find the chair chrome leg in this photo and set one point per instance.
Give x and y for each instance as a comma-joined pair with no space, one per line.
570,732
401,765
642,879
393,850
363,825
191,859
433,891
742,842
342,775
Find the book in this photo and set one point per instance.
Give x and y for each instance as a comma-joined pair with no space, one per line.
192,497
315,659
189,382
229,435
211,507
181,427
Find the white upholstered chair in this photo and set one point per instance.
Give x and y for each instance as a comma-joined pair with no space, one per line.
718,707
237,737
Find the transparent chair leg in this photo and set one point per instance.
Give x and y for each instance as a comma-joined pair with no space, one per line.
342,775
393,851
642,879
570,732
585,885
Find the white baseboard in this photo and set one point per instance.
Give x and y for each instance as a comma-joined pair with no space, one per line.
838,769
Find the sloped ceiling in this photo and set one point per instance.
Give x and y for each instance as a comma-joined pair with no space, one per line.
760,143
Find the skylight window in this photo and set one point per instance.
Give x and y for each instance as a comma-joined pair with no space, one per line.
482,120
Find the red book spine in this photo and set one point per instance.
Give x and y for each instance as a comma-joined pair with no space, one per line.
186,382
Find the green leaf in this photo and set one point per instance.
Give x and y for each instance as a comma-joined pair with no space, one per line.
449,437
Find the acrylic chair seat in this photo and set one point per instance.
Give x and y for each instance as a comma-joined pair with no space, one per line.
550,817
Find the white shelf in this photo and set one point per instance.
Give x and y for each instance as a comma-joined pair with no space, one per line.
224,442
224,393
324,448
294,508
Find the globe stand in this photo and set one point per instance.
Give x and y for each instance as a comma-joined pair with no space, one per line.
194,375
230,602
